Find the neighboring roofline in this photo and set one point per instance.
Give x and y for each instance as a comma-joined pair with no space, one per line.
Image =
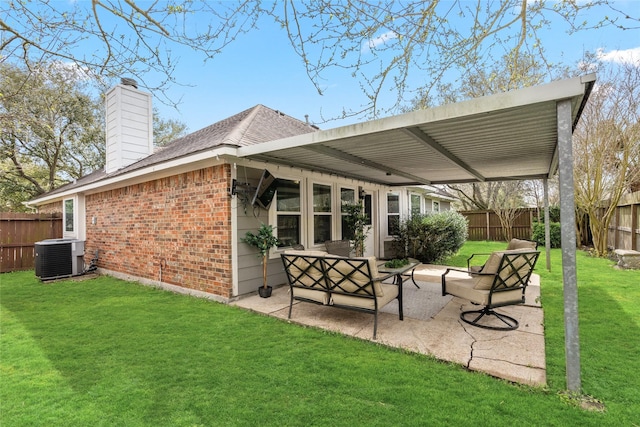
432,192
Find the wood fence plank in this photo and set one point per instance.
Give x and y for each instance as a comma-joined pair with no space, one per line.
18,234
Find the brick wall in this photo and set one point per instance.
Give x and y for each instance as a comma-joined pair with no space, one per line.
51,208
176,228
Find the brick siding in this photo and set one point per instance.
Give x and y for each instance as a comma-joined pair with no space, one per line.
51,208
178,227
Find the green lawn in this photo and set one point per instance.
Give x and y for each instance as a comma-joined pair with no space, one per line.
108,352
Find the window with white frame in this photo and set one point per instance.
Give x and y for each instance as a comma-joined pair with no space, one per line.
415,201
435,205
347,197
393,214
288,212
322,215
69,215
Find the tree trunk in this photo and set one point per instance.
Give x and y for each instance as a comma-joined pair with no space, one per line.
264,271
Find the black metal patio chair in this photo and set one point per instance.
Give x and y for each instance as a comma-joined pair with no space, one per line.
501,283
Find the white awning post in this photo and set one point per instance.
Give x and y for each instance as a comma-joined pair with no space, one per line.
568,232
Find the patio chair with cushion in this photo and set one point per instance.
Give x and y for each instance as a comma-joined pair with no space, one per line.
501,283
338,247
514,244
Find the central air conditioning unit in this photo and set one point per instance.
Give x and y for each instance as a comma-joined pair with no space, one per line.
56,258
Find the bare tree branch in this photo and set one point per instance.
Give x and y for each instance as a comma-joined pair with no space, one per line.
383,44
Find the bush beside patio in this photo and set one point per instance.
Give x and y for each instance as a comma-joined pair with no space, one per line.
108,352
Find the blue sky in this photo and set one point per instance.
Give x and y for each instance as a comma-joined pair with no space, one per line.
261,68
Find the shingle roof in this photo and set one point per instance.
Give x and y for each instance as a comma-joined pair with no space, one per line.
249,127
252,126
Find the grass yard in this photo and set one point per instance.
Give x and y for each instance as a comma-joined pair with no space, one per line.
105,352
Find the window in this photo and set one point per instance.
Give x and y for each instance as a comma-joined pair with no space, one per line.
321,213
393,214
347,197
435,205
69,216
288,223
415,204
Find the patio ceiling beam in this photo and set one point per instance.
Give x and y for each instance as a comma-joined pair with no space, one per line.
315,168
339,154
425,138
501,178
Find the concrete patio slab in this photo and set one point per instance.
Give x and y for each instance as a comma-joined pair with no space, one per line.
432,326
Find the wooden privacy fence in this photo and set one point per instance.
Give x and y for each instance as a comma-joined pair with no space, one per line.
623,230
485,225
18,234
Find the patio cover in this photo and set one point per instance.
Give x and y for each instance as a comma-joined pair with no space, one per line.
523,134
507,136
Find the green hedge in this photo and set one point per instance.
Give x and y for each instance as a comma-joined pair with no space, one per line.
554,229
431,237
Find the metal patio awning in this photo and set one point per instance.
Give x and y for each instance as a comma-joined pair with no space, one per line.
507,136
524,134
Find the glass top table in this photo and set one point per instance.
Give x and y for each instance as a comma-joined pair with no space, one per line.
400,272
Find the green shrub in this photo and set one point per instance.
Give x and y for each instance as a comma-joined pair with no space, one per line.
554,214
554,230
431,237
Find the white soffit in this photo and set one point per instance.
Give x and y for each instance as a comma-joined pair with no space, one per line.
510,135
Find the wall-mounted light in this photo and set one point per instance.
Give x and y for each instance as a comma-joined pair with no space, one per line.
234,188
361,193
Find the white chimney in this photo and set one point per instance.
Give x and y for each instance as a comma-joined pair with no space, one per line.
129,125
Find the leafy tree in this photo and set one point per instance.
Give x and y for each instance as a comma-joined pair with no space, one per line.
50,133
381,43
166,131
52,130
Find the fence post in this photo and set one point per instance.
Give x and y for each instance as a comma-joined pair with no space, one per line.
616,241
634,226
488,225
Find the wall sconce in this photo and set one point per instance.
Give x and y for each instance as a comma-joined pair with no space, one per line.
361,193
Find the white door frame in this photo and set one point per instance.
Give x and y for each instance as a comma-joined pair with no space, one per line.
372,241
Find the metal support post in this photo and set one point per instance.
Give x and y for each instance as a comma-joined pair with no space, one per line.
568,231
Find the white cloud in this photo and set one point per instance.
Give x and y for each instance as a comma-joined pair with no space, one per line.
381,39
630,56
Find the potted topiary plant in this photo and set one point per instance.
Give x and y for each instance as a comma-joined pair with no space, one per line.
264,240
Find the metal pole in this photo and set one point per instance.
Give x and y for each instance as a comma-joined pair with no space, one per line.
568,231
547,226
